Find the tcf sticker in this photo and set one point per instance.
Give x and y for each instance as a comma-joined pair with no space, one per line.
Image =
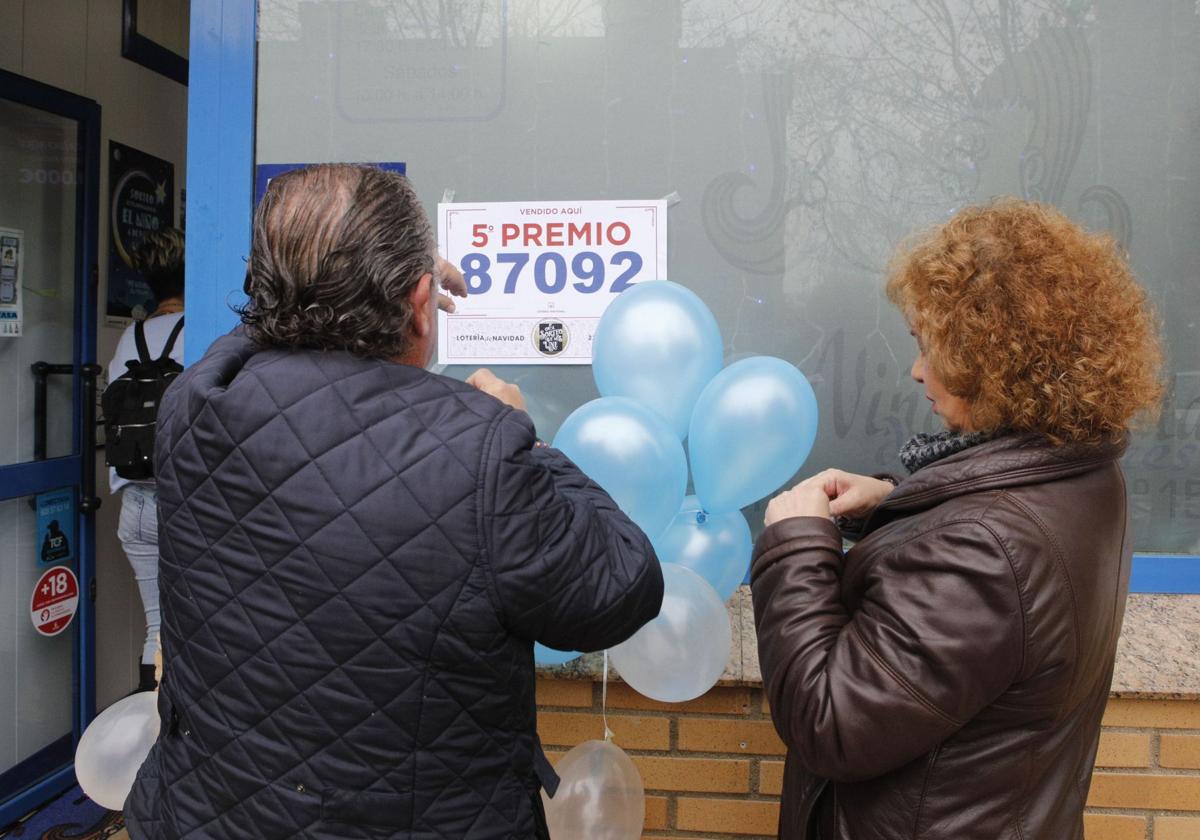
56,527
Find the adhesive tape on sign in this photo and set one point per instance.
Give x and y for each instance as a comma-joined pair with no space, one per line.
55,601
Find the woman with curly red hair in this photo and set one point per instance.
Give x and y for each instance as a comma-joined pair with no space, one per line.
946,677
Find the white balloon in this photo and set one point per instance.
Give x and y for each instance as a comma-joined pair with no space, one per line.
114,746
681,654
600,795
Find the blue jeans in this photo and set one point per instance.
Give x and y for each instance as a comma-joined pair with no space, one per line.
138,532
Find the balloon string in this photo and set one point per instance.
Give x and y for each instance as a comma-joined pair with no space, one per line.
608,735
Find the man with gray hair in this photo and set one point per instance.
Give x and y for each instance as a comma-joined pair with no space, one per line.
358,554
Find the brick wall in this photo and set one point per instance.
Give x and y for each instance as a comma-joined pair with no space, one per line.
713,767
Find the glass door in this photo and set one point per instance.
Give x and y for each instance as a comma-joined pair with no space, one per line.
49,146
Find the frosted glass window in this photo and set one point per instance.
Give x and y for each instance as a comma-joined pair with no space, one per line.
805,139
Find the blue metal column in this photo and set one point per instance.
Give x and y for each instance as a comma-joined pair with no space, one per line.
87,324
220,172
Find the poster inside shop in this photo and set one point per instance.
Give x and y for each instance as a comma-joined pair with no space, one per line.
141,201
56,527
11,291
541,273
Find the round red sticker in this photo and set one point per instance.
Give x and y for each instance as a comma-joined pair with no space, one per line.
55,600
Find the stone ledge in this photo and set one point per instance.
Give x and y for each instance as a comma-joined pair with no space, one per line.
1158,657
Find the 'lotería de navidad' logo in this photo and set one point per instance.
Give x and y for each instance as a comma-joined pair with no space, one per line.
551,338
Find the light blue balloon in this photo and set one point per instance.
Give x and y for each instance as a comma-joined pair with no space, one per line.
753,427
716,546
543,655
660,345
630,452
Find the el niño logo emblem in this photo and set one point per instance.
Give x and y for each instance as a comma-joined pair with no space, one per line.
551,338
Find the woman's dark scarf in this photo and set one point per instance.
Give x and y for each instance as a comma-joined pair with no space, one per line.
923,449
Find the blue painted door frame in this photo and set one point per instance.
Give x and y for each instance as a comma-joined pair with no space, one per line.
220,173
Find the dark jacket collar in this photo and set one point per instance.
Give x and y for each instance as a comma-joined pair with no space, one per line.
232,354
1007,461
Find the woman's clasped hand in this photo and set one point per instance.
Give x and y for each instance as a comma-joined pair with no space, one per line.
830,493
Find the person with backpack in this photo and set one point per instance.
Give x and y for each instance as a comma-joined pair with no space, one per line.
148,358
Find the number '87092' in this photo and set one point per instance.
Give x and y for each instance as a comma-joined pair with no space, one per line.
587,272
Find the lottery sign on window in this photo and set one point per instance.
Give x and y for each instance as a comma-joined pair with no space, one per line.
541,273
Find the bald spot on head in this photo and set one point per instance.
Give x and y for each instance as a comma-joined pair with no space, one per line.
303,222
337,252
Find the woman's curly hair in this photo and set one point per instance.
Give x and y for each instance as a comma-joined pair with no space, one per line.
336,250
1036,323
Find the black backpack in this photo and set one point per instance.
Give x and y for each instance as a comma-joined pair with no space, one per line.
130,404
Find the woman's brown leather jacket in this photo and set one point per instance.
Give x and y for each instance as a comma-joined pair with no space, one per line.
945,678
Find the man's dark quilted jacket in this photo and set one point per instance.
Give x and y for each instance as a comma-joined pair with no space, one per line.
356,557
